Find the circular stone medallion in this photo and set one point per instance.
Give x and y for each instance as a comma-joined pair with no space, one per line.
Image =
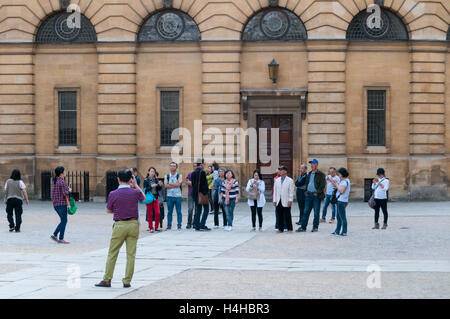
275,24
170,25
63,30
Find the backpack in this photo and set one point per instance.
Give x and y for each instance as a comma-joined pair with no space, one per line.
177,176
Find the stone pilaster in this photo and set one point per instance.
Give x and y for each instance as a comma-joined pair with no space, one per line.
427,98
116,99
326,99
221,85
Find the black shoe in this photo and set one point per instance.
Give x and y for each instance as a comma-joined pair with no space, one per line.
206,228
17,230
126,286
106,284
300,230
314,230
188,227
298,223
11,230
199,229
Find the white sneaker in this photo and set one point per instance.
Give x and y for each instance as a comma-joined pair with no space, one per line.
276,229
216,227
260,229
230,228
225,228
253,229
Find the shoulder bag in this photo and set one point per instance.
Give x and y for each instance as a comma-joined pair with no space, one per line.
371,201
149,198
202,198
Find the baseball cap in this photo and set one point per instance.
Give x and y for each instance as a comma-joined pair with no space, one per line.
314,161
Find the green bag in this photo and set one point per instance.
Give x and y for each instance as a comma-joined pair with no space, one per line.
73,206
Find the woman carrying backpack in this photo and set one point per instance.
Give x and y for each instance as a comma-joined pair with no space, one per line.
380,185
256,198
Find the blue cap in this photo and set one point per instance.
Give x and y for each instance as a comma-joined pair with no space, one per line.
314,161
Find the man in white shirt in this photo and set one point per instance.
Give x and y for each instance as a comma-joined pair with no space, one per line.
283,196
329,195
380,185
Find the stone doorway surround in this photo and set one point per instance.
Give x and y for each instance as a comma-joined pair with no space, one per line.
287,101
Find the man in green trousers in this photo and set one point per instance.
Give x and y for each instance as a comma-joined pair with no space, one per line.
123,203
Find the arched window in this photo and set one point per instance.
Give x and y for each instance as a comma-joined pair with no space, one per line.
274,24
169,25
390,28
56,30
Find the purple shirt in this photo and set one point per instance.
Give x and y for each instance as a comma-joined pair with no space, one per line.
188,178
124,203
59,193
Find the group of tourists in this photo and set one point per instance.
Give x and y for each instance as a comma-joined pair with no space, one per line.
210,190
215,190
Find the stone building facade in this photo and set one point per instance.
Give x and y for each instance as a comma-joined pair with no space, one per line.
210,59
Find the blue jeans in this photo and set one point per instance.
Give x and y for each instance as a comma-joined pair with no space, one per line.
311,202
199,219
62,213
174,201
229,210
325,207
341,218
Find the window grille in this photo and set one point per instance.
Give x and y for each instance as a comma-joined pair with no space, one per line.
391,28
67,118
170,112
56,30
376,117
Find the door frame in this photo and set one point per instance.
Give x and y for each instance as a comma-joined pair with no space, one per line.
291,149
277,102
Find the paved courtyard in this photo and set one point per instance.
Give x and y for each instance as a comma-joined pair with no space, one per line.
412,255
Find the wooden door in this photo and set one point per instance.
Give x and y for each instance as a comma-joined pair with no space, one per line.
285,125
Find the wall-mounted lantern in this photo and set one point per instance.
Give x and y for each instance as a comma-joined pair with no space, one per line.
273,71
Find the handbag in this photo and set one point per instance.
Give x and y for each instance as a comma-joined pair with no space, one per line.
371,201
73,206
149,198
333,199
253,194
202,198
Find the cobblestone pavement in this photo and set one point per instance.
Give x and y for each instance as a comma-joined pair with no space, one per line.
412,254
